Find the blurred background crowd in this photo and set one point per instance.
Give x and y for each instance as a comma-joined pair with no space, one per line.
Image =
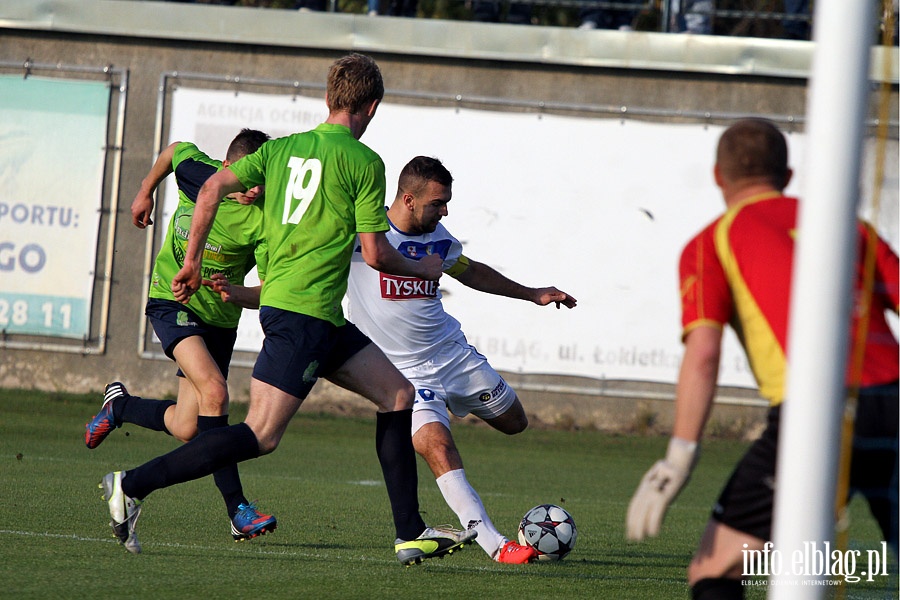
785,19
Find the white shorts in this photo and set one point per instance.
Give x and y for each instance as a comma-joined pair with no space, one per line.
460,380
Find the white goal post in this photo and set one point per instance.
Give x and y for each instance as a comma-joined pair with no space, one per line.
809,442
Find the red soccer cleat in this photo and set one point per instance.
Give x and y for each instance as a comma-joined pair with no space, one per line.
515,554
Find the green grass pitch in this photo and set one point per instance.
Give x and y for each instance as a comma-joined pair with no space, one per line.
335,538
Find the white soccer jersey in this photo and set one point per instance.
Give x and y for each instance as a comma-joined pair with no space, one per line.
404,316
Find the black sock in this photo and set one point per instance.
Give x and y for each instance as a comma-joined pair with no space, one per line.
227,479
202,456
719,588
393,443
142,412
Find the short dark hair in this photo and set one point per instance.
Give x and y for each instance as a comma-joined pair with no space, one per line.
754,148
246,142
354,81
419,171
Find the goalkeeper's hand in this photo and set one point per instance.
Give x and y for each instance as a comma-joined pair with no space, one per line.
658,488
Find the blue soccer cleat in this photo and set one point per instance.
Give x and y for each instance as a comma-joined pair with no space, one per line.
102,424
249,523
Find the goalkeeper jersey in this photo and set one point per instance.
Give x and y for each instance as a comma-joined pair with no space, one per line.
738,271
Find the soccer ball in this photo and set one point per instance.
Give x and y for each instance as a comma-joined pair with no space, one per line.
550,530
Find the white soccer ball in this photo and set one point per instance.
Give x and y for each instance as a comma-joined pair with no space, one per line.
550,530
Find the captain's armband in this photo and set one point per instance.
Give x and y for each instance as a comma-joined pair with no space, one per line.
462,263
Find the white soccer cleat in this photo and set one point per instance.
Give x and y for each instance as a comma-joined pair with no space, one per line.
433,542
123,511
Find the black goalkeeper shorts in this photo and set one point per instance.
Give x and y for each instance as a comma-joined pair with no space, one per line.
746,503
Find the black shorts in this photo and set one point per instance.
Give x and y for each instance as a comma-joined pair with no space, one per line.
298,349
746,503
173,322
873,466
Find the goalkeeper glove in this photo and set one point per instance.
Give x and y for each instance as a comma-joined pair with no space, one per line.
659,487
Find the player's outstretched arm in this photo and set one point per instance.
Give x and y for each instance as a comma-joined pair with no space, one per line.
550,295
142,205
483,278
694,396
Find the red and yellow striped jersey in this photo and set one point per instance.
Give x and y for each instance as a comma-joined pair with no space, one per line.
738,271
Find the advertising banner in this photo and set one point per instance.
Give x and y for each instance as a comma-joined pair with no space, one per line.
52,153
598,207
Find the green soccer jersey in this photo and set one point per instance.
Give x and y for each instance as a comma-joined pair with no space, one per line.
235,242
322,187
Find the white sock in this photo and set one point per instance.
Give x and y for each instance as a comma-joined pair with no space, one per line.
464,501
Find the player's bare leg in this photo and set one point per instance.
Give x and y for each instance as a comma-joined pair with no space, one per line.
181,418
512,421
370,374
202,406
435,444
718,562
270,413
203,384
199,368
